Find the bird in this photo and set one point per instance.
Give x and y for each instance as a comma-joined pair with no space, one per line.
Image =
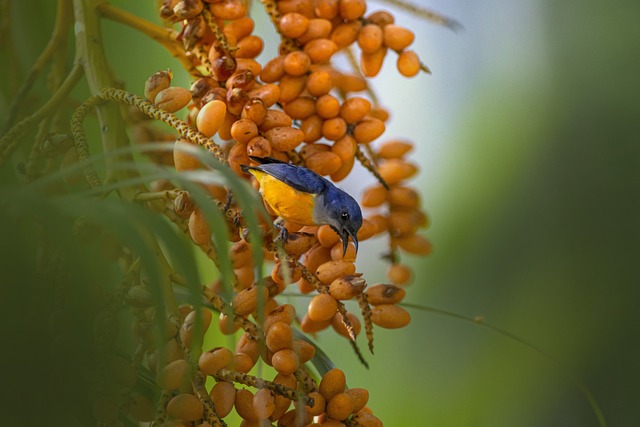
299,195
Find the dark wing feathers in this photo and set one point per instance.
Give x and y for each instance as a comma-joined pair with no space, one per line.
302,179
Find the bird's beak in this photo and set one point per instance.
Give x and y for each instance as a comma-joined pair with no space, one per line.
345,240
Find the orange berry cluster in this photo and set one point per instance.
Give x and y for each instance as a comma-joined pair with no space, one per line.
295,108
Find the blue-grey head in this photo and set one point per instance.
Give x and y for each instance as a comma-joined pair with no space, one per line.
340,211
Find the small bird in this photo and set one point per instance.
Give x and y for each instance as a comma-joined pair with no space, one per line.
300,195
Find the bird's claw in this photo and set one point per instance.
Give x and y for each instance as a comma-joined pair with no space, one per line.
283,233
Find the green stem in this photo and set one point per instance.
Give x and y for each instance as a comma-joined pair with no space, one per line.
10,141
57,41
91,55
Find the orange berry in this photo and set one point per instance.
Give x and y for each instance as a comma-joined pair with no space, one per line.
311,326
318,29
394,171
399,274
279,336
354,109
319,83
397,37
199,228
273,119
359,396
374,196
242,362
293,25
212,361
284,138
415,244
246,301
371,63
244,405
185,407
368,130
345,148
296,63
345,34
273,70
337,252
255,110
284,313
259,147
334,129
249,47
408,63
367,420
320,50
285,361
173,98
370,38
327,9
322,307
381,18
210,117
367,230
158,81
390,316
239,28
264,403
174,375
340,406
195,325
352,9
304,350
312,128
332,383
347,287
319,404
182,160
229,10
244,130
238,156
394,149
291,87
384,294
223,395
301,108
323,163
268,94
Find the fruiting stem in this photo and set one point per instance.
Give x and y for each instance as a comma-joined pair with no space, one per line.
356,68
218,34
367,163
365,309
157,113
427,14
80,139
288,44
10,141
252,381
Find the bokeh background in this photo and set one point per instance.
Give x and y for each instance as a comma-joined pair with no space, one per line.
528,136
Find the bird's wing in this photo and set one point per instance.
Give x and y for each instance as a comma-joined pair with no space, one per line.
300,178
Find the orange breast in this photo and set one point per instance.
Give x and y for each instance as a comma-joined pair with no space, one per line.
289,203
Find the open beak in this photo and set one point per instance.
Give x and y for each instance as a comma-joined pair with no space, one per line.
344,236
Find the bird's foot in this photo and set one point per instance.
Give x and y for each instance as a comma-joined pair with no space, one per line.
283,233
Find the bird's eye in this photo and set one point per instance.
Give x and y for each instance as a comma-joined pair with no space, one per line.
345,215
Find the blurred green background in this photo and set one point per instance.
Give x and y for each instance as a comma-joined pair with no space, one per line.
528,137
